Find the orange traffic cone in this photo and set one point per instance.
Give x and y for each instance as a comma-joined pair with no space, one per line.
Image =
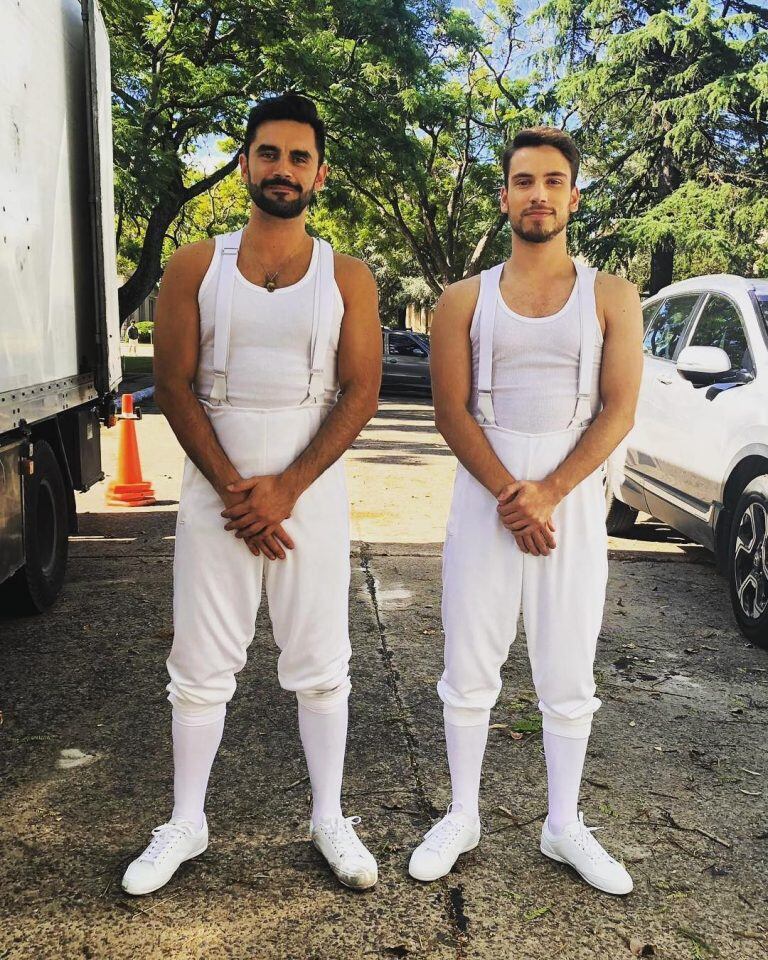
129,489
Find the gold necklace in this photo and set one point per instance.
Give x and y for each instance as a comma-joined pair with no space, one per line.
272,276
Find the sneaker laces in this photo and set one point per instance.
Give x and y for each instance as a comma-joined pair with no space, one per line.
444,832
582,835
341,833
163,837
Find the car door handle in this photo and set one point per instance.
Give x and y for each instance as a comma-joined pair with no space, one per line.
390,360
665,380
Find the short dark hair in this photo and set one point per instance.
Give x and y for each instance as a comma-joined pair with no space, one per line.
543,137
287,106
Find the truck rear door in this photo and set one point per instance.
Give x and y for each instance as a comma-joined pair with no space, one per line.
99,88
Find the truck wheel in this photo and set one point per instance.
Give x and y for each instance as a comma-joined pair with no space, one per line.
36,585
748,562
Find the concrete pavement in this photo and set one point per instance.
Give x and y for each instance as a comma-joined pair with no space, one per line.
676,774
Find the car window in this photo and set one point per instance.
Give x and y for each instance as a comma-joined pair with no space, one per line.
720,326
403,346
762,302
666,328
649,312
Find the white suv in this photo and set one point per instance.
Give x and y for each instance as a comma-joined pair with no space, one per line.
697,457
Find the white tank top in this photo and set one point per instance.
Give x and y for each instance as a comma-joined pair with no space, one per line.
536,367
269,345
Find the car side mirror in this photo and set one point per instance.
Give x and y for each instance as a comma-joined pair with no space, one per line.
703,365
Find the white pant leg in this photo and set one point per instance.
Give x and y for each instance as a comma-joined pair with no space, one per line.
563,601
482,585
308,596
216,595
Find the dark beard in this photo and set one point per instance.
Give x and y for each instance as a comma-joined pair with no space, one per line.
274,206
537,235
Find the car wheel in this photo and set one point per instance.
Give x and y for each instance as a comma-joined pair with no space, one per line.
619,517
748,562
34,587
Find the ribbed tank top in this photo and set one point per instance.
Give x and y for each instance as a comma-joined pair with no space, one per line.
536,367
269,347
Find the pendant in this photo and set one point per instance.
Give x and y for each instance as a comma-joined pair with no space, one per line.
270,282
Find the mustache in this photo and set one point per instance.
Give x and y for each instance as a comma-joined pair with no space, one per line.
279,183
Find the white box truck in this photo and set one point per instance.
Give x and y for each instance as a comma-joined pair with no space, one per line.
59,320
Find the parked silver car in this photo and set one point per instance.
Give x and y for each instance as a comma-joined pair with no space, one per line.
697,457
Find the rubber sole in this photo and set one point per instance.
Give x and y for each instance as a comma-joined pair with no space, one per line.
345,879
162,883
548,852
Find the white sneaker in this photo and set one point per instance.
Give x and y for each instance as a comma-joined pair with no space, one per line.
455,834
577,847
336,839
172,843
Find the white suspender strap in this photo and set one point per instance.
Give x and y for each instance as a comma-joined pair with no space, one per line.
322,320
222,317
486,304
585,281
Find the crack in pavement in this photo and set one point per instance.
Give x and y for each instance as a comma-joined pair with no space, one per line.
453,897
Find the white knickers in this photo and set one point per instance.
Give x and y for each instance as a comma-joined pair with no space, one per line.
217,580
487,578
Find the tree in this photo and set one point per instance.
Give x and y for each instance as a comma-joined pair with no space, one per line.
671,102
184,70
419,171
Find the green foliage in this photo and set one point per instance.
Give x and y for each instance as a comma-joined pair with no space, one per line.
145,329
673,125
667,100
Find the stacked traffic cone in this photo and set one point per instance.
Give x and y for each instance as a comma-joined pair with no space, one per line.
129,489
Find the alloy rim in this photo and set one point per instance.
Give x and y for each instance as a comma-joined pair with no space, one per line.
750,561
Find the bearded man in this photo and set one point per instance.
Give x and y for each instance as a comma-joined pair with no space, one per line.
267,366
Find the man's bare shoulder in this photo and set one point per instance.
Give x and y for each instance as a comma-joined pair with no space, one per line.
353,276
458,301
610,285
618,301
189,264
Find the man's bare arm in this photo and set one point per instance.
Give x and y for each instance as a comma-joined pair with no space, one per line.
526,502
177,343
620,377
359,371
451,366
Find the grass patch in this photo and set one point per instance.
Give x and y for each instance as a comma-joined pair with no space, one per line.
135,364
528,725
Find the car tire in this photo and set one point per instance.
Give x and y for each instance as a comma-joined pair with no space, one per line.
748,562
619,517
35,586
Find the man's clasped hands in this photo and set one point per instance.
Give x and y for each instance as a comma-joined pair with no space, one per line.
257,507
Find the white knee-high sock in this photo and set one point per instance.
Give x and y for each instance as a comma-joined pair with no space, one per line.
466,748
324,738
565,764
194,750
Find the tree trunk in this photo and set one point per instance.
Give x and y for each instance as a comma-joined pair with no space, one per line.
149,268
662,264
663,253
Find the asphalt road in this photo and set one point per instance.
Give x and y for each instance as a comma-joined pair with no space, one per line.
676,775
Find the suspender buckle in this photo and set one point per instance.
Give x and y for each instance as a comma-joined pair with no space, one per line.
485,406
316,385
219,388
